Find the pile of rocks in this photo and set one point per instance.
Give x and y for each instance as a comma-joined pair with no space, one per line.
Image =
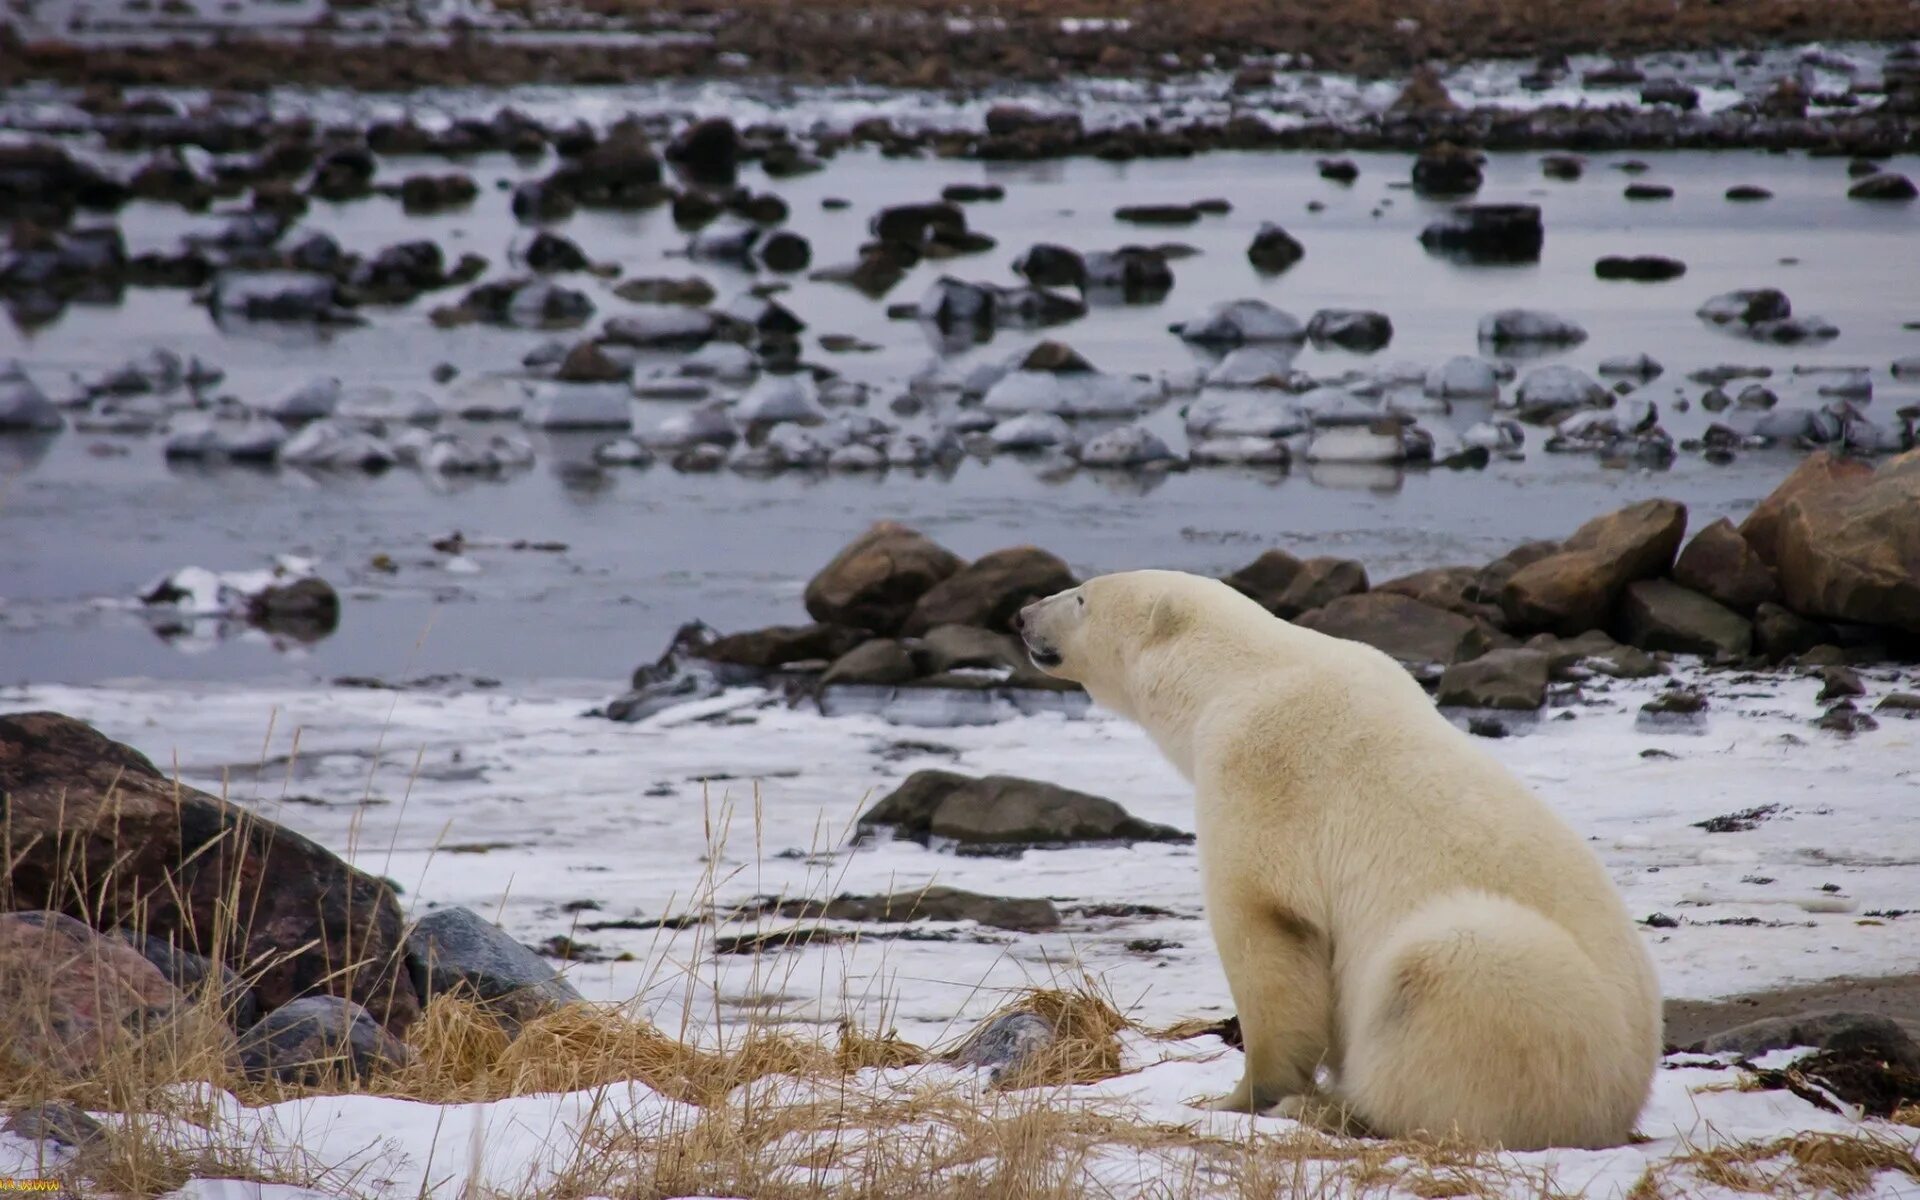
116,925
1822,572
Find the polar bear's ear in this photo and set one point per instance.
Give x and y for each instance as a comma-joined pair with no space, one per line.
1166,618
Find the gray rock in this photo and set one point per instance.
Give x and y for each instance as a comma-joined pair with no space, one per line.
1464,378
1830,1030
1524,326
1513,679
1003,811
197,977
883,661
1126,447
930,904
1350,329
1262,414
1658,615
1006,1042
1548,393
1070,394
455,951
1746,306
23,406
320,1040
1238,322
59,1122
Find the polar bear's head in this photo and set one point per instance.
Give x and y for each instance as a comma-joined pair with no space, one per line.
1095,634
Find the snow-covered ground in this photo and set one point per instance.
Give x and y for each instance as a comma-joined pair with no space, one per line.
515,803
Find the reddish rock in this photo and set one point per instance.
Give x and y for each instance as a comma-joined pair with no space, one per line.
94,828
1852,554
875,582
1402,627
1720,564
1456,589
1575,589
1818,472
990,590
778,645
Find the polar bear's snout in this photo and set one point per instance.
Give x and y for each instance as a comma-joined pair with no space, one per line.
1036,629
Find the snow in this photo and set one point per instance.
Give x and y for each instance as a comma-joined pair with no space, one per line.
514,802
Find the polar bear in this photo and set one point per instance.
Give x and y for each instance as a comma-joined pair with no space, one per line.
1388,901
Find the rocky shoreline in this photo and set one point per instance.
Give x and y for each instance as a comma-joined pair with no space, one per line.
1820,576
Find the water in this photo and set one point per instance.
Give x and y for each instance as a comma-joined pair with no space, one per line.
87,517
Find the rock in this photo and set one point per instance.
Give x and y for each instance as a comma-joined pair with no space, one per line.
1350,329
1904,705
1447,170
1423,94
990,590
1642,367
1522,326
661,326
1070,394
295,296
54,1125
784,252
1006,1043
883,661
1138,274
1575,589
1675,701
1670,92
1261,414
456,952
1266,367
1819,473
1001,810
932,903
878,578
1547,394
1648,191
777,645
178,860
1240,322
619,171
1852,554
1746,306
1157,214
1274,249
1381,441
1245,451
1828,1030
1339,170
588,363
781,398
1312,583
1463,378
953,304
1779,634
919,224
1126,447
709,149
1035,431
1646,268
1846,719
1400,626
1720,564
1563,166
1886,185
1487,233
23,406
547,252
1658,615
692,292
320,1041
1747,192
1456,589
1838,683
1511,679
1051,266
578,406
73,998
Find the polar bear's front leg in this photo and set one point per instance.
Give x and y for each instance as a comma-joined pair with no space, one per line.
1282,985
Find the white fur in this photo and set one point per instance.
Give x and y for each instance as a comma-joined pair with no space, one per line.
1388,901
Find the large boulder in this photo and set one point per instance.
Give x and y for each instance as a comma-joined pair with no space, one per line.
71,997
95,829
990,590
1825,1030
1656,614
1513,679
1287,586
320,1041
1720,564
1403,627
1853,554
1575,589
1001,810
881,662
1819,472
1456,589
455,951
875,582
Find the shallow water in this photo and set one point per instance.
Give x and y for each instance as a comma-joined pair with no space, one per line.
649,549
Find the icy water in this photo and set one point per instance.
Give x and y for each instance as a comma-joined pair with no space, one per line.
87,518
